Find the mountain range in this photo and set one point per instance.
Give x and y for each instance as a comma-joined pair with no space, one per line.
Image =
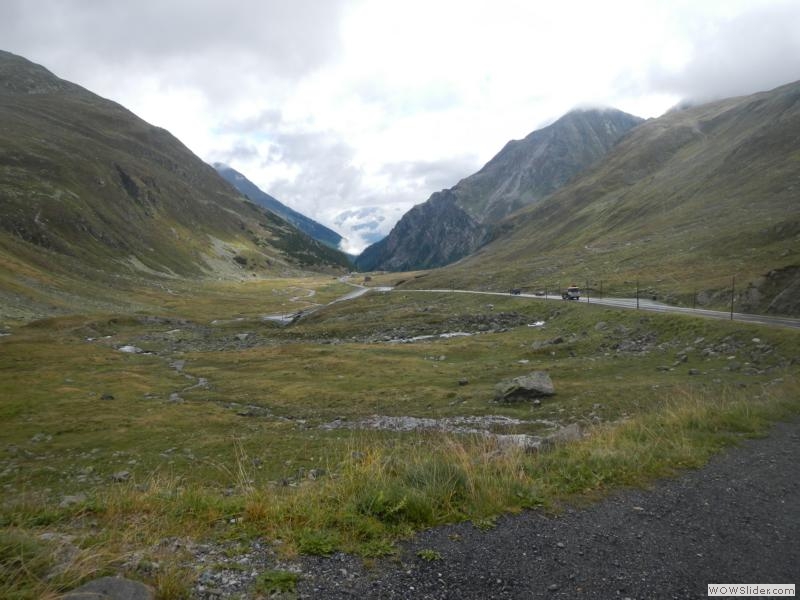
453,223
695,205
255,194
89,192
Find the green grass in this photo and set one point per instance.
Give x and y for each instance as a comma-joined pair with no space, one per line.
233,460
276,582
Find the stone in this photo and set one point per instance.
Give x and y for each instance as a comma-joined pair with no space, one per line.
536,384
130,349
107,397
68,501
314,474
565,435
526,443
463,381
121,476
112,588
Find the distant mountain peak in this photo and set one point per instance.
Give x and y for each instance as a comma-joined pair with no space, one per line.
305,224
523,173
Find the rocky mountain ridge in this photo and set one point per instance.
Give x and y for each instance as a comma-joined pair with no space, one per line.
694,205
521,174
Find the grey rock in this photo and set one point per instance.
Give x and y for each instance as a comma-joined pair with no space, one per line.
112,588
121,476
528,443
68,501
316,473
130,349
536,384
565,435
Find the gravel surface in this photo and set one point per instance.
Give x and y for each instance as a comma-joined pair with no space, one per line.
737,520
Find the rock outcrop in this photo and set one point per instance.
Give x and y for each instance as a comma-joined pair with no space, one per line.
432,234
533,386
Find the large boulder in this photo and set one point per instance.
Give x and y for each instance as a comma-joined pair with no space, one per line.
112,588
526,387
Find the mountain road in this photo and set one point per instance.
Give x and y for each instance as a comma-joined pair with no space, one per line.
640,304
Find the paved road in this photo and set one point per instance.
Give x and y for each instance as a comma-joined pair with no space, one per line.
643,304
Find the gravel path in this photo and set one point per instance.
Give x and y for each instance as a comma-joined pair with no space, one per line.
737,520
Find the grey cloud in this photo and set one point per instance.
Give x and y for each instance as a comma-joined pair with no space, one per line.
756,51
433,175
204,39
365,212
267,120
240,152
324,162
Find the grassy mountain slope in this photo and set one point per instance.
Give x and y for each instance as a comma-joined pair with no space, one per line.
255,194
683,203
521,174
90,193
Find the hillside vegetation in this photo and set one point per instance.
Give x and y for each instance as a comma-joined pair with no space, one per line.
255,194
90,195
682,204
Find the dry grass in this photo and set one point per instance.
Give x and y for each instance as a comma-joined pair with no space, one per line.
201,471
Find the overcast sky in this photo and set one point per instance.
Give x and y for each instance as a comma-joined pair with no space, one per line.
352,111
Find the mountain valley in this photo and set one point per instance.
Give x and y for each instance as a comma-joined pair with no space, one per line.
95,203
200,398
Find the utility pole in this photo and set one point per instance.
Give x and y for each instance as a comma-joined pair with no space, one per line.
733,292
588,296
637,294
